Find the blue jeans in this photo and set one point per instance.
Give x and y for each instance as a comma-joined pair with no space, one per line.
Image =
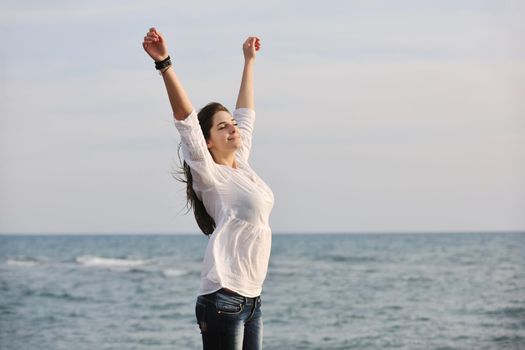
229,321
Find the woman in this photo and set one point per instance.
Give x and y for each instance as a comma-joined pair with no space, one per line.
231,203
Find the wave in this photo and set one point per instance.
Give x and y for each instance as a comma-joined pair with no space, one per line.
131,265
62,296
174,272
509,341
351,259
509,311
97,261
22,262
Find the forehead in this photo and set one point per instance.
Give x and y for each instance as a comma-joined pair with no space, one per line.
221,116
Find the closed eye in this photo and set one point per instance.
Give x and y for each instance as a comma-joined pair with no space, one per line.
222,125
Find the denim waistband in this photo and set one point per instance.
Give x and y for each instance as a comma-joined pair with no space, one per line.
213,296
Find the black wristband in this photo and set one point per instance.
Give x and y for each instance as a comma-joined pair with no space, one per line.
163,64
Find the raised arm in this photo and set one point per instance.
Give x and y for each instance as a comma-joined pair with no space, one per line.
155,46
245,98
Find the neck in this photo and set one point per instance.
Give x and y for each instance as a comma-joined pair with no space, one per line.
225,159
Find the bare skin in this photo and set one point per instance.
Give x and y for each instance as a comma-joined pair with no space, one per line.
224,137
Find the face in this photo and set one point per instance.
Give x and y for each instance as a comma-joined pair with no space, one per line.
224,134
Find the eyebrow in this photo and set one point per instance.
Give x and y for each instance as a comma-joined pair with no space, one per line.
233,119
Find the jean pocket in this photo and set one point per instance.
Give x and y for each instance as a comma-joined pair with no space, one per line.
229,304
200,314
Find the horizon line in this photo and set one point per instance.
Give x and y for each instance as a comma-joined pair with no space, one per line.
413,232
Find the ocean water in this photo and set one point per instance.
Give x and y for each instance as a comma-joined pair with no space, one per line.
374,291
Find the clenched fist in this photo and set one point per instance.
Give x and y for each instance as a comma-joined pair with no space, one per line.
250,46
155,45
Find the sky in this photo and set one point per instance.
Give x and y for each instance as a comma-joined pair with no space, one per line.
372,116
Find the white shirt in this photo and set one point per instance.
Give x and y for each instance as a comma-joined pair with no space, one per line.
239,202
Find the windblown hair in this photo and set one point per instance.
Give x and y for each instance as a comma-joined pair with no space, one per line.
204,220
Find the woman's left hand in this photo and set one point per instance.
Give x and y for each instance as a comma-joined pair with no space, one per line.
250,47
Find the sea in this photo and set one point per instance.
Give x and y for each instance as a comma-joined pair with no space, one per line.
439,291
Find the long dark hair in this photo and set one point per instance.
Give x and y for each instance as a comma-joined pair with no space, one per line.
204,220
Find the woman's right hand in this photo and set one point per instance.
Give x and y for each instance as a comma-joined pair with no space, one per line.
155,45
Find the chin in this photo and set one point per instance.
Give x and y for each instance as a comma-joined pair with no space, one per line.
237,144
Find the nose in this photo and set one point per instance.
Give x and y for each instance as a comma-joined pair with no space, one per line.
233,129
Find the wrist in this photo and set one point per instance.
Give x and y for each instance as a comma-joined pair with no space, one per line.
249,61
164,70
166,62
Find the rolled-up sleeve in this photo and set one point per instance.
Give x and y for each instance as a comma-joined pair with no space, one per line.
195,152
245,118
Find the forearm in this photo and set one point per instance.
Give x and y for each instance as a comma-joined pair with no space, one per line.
246,94
179,101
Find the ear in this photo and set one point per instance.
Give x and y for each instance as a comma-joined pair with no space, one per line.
209,144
